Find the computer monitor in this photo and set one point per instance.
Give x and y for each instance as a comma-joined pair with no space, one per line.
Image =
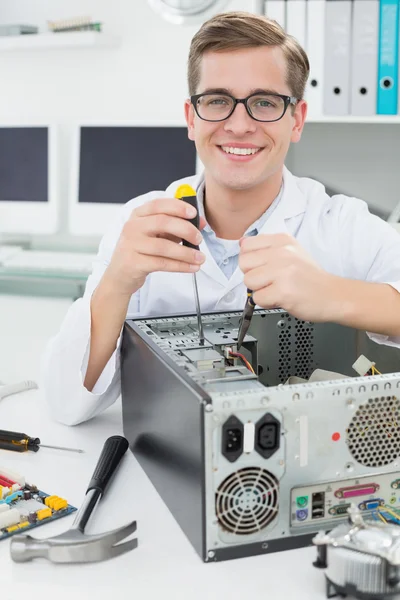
28,179
114,163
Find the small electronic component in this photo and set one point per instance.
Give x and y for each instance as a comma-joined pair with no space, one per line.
23,506
76,24
364,366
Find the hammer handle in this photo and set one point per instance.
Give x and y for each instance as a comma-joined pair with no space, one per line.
113,450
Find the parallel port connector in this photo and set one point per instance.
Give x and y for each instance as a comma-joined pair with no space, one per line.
357,490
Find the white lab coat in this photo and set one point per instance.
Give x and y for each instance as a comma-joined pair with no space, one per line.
338,232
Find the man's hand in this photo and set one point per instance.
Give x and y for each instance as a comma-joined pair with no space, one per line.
282,275
150,242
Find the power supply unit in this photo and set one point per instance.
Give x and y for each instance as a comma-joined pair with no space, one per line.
257,452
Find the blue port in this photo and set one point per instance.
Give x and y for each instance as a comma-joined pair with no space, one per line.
302,514
370,504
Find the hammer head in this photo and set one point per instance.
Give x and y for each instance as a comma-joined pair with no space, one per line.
73,546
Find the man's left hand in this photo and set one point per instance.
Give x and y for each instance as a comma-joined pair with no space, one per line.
282,275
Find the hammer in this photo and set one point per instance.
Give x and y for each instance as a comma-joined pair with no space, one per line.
74,546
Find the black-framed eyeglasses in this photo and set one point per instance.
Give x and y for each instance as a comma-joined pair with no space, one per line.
211,106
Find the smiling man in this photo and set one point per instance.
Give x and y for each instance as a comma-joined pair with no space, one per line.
321,258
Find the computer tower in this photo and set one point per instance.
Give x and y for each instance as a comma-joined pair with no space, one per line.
257,462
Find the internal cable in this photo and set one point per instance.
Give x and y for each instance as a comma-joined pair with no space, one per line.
243,358
382,518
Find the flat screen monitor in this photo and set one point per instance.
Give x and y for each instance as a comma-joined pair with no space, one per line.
113,164
28,179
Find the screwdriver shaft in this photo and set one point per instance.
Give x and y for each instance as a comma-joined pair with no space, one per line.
198,311
63,448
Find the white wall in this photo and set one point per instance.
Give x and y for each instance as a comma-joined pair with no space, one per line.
145,79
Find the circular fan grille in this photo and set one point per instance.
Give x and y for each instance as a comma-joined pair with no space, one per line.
373,435
247,501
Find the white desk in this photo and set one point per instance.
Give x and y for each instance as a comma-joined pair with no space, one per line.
164,566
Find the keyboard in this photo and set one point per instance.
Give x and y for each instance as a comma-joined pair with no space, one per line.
49,262
7,252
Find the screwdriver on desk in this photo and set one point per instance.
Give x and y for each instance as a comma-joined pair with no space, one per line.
20,442
186,193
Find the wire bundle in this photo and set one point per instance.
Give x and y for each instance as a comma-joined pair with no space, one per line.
387,515
243,358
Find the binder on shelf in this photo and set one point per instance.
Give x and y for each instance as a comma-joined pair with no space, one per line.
388,57
337,57
296,20
276,9
315,30
364,57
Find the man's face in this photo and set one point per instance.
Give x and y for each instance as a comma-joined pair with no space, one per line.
240,73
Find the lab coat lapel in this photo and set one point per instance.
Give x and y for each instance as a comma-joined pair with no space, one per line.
210,267
292,203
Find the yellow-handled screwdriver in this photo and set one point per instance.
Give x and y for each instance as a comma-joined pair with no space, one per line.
20,442
186,193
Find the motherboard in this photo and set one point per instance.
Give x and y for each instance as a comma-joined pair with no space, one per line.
23,506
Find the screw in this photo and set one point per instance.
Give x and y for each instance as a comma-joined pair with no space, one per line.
209,408
281,323
211,554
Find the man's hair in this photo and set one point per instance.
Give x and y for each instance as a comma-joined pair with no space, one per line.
235,30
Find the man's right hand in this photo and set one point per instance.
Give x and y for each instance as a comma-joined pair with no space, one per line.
150,242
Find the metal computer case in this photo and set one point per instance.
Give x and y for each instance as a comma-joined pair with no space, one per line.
176,406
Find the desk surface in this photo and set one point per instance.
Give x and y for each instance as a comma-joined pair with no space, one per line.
164,565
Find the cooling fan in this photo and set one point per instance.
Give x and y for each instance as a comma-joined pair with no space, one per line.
361,558
247,501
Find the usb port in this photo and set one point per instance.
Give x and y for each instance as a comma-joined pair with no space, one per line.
318,505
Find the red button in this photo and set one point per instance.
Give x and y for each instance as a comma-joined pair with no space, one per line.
336,437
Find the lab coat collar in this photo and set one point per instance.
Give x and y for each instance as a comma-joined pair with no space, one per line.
292,203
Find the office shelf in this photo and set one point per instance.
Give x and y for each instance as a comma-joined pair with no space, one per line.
374,119
73,39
